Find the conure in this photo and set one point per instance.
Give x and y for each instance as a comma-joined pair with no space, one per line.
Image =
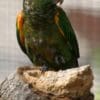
46,36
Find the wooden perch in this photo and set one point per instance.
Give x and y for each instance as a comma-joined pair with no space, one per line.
32,84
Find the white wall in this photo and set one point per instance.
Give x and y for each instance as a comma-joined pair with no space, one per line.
10,54
90,4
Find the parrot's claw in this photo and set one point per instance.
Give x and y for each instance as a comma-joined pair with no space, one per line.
44,68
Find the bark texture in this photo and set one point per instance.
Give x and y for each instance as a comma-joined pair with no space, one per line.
32,84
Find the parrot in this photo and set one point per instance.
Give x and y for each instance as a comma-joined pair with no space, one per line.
46,36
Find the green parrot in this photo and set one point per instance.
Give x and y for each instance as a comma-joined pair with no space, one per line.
46,36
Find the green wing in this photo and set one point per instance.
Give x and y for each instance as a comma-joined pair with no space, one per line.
68,32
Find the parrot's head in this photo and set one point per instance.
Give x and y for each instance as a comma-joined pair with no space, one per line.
31,5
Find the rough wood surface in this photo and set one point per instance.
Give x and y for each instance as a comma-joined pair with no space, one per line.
32,84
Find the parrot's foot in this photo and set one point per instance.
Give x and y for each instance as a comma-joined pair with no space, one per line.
44,68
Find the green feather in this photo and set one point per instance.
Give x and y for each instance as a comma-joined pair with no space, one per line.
49,37
69,33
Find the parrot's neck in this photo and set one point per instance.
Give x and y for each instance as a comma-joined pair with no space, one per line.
41,17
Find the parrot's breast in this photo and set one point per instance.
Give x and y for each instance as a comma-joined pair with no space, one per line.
45,44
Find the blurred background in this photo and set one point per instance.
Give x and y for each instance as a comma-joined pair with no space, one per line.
85,18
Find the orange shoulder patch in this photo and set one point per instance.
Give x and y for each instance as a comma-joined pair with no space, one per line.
57,22
20,21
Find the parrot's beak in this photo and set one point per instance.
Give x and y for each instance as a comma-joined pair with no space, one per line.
59,1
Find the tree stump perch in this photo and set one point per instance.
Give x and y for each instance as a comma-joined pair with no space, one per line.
32,84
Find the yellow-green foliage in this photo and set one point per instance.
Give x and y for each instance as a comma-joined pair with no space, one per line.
97,96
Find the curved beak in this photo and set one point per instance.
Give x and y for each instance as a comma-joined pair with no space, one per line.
59,1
